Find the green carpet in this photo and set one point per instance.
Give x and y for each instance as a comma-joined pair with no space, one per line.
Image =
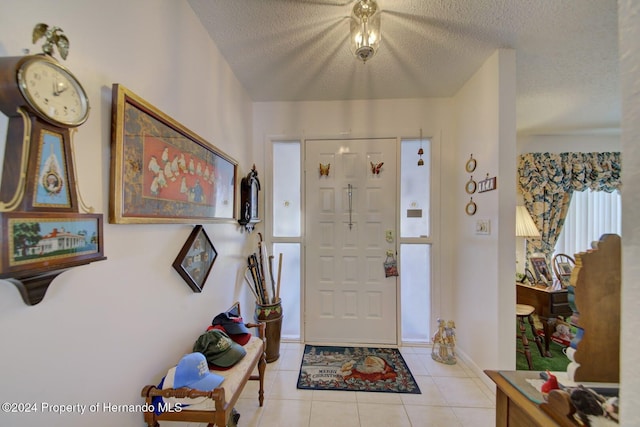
557,363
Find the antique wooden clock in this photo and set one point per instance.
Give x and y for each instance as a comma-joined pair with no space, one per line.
42,230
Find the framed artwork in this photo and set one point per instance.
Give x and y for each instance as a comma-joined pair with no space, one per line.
529,277
33,242
541,270
471,207
195,259
565,268
470,186
52,185
161,172
471,164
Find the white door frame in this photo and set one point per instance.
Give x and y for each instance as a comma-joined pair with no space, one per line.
437,294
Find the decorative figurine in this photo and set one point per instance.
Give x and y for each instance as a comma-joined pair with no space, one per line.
53,37
324,169
375,168
550,384
444,342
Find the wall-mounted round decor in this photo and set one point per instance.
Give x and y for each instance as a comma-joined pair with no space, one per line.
470,186
471,164
471,207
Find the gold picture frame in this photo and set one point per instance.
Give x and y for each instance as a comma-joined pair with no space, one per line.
161,172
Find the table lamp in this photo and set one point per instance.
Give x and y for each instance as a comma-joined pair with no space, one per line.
525,227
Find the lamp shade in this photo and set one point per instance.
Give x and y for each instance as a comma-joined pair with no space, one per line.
525,227
365,29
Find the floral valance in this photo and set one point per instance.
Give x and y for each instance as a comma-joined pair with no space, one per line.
548,180
555,172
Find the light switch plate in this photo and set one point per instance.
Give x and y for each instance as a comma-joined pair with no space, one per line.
483,226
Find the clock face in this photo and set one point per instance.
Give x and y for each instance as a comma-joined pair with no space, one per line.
53,92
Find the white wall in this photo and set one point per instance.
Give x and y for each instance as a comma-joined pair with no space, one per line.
105,330
484,265
629,28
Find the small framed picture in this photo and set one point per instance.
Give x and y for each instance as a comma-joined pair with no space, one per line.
471,208
195,259
540,269
565,268
529,277
470,186
470,166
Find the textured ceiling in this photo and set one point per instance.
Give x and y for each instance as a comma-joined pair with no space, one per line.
298,50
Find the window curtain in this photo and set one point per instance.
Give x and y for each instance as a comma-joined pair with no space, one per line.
547,181
591,214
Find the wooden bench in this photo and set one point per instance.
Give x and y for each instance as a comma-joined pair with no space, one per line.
220,401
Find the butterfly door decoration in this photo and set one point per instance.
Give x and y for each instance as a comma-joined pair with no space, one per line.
324,169
375,168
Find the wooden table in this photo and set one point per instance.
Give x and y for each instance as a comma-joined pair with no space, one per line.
549,305
518,402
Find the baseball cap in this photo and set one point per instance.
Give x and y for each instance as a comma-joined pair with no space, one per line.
219,349
231,324
241,339
193,372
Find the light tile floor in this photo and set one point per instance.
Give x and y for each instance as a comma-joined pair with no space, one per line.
452,395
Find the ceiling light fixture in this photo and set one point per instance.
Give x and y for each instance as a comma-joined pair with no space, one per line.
365,29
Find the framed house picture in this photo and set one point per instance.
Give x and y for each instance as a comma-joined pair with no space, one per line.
34,242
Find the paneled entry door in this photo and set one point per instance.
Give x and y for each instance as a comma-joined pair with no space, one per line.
350,224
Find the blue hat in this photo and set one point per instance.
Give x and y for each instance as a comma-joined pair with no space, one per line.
193,372
231,324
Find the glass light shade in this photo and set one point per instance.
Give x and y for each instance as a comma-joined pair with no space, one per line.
365,29
525,227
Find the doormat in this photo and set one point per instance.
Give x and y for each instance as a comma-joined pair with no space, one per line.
355,369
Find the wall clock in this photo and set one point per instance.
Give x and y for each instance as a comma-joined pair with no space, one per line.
52,91
249,187
39,201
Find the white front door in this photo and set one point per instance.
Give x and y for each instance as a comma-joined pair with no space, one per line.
350,225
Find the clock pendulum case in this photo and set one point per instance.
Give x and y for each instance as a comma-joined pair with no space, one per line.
39,200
